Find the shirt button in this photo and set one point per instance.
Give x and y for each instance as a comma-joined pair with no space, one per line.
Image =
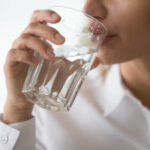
3,139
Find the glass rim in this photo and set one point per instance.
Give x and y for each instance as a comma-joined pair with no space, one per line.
80,11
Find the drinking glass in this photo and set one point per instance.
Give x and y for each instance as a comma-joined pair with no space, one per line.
53,84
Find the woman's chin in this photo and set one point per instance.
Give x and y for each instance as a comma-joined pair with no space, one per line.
112,57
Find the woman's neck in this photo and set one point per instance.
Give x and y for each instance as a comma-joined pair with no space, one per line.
136,76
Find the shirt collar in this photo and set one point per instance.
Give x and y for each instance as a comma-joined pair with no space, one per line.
112,91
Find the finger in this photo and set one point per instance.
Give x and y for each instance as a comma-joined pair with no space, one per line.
43,16
95,63
46,32
14,56
26,41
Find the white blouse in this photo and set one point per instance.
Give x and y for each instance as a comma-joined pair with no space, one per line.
104,116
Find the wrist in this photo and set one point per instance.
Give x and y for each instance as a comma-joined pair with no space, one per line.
14,114
13,118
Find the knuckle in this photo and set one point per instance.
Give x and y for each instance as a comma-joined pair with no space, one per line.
24,37
33,25
18,43
10,52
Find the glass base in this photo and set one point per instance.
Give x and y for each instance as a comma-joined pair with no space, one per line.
46,102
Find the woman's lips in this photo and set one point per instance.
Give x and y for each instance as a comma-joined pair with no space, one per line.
108,38
97,31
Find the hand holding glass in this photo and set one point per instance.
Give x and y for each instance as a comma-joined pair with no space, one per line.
53,84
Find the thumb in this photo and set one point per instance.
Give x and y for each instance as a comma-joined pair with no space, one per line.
95,63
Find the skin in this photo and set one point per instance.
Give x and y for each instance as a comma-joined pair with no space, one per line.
128,20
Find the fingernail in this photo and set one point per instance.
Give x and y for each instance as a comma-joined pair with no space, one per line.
50,53
54,16
59,37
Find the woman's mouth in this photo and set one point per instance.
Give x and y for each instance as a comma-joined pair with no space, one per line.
99,32
108,38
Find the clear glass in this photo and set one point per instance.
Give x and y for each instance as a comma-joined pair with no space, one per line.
53,84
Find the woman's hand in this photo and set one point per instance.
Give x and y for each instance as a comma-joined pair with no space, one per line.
20,56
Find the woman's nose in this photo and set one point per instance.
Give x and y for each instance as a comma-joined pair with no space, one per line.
95,8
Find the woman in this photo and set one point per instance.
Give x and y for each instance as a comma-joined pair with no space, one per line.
123,97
